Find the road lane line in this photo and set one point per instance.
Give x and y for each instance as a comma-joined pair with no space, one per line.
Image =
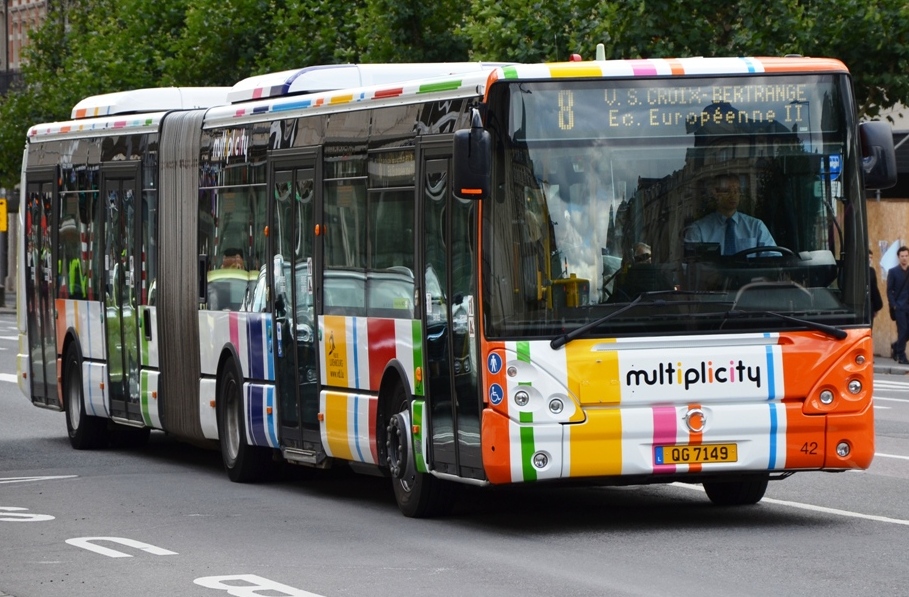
876,454
814,508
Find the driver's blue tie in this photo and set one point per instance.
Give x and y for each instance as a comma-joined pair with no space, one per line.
729,244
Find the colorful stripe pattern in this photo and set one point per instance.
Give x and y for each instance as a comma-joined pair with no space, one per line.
619,401
250,335
461,85
261,415
355,351
84,318
654,67
140,123
348,431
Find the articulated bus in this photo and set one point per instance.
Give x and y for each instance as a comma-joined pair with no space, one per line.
493,274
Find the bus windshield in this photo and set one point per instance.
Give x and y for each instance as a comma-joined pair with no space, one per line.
714,203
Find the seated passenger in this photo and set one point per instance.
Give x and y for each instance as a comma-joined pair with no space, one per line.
233,259
642,276
733,231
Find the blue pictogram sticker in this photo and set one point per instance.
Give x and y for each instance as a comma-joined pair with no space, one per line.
496,394
494,363
835,161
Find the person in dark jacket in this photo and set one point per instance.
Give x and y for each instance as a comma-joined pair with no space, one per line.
898,297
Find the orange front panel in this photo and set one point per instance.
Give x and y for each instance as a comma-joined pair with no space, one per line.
496,447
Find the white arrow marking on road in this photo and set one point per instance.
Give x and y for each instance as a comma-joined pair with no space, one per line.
12,515
8,377
86,543
27,479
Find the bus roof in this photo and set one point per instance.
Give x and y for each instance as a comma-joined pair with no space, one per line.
159,99
313,79
671,67
451,86
138,110
317,89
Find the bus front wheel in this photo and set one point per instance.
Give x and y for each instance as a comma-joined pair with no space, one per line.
85,432
739,492
244,463
419,495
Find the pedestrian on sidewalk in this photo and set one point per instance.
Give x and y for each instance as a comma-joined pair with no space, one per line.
898,298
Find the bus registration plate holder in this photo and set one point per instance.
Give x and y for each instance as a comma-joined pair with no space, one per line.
695,454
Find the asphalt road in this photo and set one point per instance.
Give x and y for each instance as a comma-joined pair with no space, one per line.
165,520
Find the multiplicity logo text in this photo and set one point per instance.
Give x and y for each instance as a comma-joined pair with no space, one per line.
706,373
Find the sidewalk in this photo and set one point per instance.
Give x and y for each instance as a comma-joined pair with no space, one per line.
889,366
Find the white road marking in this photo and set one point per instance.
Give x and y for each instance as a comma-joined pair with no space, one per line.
885,398
876,454
813,508
88,543
27,479
8,377
16,514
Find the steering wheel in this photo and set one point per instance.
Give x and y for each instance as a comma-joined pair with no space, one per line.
766,249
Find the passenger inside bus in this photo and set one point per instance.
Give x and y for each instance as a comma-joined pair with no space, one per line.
233,259
640,276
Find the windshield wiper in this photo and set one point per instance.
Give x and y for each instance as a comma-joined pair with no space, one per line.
813,325
560,341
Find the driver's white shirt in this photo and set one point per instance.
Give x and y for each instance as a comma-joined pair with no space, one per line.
750,232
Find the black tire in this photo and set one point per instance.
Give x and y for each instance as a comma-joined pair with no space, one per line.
419,495
244,463
85,432
123,437
740,492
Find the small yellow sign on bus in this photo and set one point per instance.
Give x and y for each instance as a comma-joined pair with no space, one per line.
693,454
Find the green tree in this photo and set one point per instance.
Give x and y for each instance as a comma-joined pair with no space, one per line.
312,32
517,31
221,42
412,31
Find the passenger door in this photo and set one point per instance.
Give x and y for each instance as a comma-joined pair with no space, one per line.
40,286
449,288
292,250
119,189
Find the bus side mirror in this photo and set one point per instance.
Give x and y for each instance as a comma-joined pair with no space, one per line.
472,157
878,155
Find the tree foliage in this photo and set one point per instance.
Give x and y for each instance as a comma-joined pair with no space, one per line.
86,47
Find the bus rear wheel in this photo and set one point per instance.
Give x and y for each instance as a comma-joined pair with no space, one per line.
244,463
85,432
739,492
419,495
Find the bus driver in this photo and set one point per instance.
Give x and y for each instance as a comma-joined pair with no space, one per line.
732,230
